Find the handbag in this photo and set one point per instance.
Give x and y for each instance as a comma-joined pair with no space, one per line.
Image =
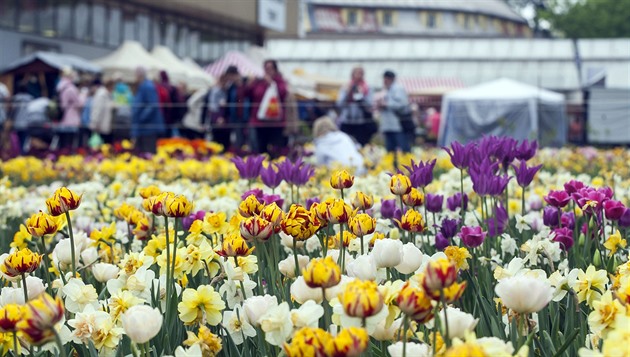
270,106
405,117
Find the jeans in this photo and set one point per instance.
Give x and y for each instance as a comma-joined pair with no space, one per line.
396,140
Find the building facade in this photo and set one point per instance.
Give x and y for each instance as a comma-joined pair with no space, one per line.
412,18
202,30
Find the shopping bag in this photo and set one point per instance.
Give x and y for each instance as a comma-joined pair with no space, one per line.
270,107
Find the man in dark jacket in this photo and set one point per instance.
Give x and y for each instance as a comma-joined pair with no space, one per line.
147,120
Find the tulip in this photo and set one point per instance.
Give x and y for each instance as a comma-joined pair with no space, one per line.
309,341
361,201
362,224
472,236
234,246
141,323
460,154
361,299
350,342
63,252
414,303
448,228
10,315
456,201
414,198
387,253
459,322
41,224
413,349
421,174
322,273
249,169
301,292
177,206
550,216
388,208
399,185
297,173
524,294
411,260
62,201
311,201
411,221
104,272
363,268
341,179
614,209
564,236
287,265
557,199
21,262
573,186
256,228
300,223
270,176
256,306
337,211
441,242
250,206
434,203
41,316
149,191
440,274
274,214
525,175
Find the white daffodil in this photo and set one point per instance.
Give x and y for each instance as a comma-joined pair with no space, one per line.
277,325
307,315
238,325
78,295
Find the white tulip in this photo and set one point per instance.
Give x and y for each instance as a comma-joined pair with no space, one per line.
287,266
459,322
89,256
334,254
387,253
277,325
411,260
142,323
10,295
363,268
413,349
301,292
524,294
104,272
307,315
63,252
35,287
334,291
256,306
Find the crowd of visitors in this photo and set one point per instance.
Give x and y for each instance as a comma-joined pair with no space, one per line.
261,113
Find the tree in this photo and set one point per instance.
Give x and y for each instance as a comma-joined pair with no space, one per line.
587,18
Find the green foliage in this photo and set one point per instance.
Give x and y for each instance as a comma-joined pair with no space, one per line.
588,18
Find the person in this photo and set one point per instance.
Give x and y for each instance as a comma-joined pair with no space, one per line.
86,114
193,126
334,147
71,104
355,105
101,115
122,98
267,97
433,123
5,97
215,109
19,112
235,110
393,106
169,103
147,120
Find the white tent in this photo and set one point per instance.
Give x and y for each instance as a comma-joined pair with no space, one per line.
197,77
181,71
126,58
503,107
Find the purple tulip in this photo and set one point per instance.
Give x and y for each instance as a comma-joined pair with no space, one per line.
526,150
550,216
497,224
505,151
472,236
433,203
568,220
297,173
590,199
564,236
614,209
557,199
254,191
624,220
311,201
388,208
249,168
573,186
421,174
459,154
441,242
455,201
525,175
448,229
268,199
188,221
270,176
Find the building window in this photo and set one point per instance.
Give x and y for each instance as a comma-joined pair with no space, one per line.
46,18
82,21
431,20
388,18
353,18
7,13
26,15
483,22
64,19
114,18
98,23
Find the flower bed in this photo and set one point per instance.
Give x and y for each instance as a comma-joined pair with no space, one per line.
492,248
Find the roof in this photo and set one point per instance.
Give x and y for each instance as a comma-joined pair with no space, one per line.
55,60
430,85
489,7
245,65
504,89
127,58
548,63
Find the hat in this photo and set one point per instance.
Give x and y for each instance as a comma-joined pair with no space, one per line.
389,74
231,70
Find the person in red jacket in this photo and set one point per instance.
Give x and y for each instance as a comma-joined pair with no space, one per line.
267,111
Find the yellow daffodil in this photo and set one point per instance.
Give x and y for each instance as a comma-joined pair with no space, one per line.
615,242
210,343
458,255
605,311
590,284
203,304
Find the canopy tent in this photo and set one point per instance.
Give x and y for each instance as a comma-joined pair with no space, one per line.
246,66
179,71
127,58
313,86
430,86
503,107
197,77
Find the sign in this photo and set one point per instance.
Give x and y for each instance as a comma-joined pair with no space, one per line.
272,14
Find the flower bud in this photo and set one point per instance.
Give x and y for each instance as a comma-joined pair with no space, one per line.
287,266
62,201
256,228
250,206
20,262
104,272
322,273
41,224
414,303
411,260
362,201
361,299
414,198
362,224
141,323
274,214
177,206
439,274
341,179
411,221
400,185
387,253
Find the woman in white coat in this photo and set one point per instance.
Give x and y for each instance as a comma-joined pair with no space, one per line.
101,112
334,147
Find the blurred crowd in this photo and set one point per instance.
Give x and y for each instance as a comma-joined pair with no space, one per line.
260,114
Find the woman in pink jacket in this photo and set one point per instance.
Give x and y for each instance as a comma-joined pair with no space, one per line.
71,106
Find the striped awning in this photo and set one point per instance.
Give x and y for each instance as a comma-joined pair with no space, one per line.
430,86
246,67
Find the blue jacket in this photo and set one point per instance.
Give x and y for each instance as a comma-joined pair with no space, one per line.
147,117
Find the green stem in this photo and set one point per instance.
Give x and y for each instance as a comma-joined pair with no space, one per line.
168,261
62,351
326,313
362,249
72,248
25,288
174,253
295,257
447,337
523,201
405,328
46,263
16,349
461,190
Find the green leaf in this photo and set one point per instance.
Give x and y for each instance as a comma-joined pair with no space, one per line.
566,344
